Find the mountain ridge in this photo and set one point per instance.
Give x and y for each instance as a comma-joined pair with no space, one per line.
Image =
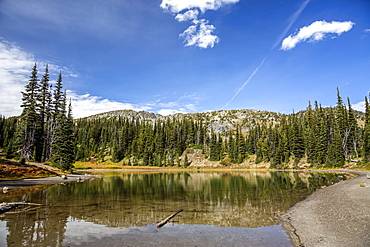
218,121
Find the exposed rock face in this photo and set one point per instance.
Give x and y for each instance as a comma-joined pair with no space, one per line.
196,158
219,127
130,114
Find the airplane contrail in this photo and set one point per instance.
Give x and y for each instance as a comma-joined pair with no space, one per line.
292,19
246,82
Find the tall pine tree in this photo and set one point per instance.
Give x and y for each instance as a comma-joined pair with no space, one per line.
63,145
29,118
351,134
366,133
45,98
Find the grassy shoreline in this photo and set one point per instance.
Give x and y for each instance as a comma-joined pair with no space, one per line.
13,170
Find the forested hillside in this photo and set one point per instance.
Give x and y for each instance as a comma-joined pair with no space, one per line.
318,136
329,136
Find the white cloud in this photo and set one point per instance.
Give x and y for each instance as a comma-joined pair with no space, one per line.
87,105
366,32
188,15
360,106
184,104
200,34
316,32
176,6
15,66
166,112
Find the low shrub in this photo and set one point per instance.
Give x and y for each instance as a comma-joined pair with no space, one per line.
113,167
81,166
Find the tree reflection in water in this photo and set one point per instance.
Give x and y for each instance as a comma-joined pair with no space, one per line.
124,199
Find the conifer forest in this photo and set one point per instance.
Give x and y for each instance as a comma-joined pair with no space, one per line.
46,132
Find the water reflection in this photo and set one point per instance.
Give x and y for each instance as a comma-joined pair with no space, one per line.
229,199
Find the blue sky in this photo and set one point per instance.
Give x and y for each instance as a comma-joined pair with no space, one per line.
169,56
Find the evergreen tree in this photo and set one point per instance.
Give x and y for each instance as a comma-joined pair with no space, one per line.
159,139
59,100
12,134
341,115
366,133
45,112
281,153
63,145
320,133
2,128
309,134
241,150
118,151
351,134
262,146
29,118
342,123
215,148
335,149
232,148
296,138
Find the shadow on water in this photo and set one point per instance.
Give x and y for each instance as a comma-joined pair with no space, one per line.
122,209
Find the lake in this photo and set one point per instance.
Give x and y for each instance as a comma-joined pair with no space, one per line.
240,208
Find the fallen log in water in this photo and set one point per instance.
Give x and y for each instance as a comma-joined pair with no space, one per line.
5,207
165,221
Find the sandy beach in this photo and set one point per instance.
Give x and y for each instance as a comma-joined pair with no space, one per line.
338,215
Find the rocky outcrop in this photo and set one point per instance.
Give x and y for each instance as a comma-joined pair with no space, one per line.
130,114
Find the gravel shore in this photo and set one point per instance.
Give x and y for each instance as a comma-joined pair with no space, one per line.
338,215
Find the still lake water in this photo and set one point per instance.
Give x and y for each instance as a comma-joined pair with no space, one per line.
123,209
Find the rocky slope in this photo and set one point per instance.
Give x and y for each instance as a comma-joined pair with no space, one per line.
218,121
